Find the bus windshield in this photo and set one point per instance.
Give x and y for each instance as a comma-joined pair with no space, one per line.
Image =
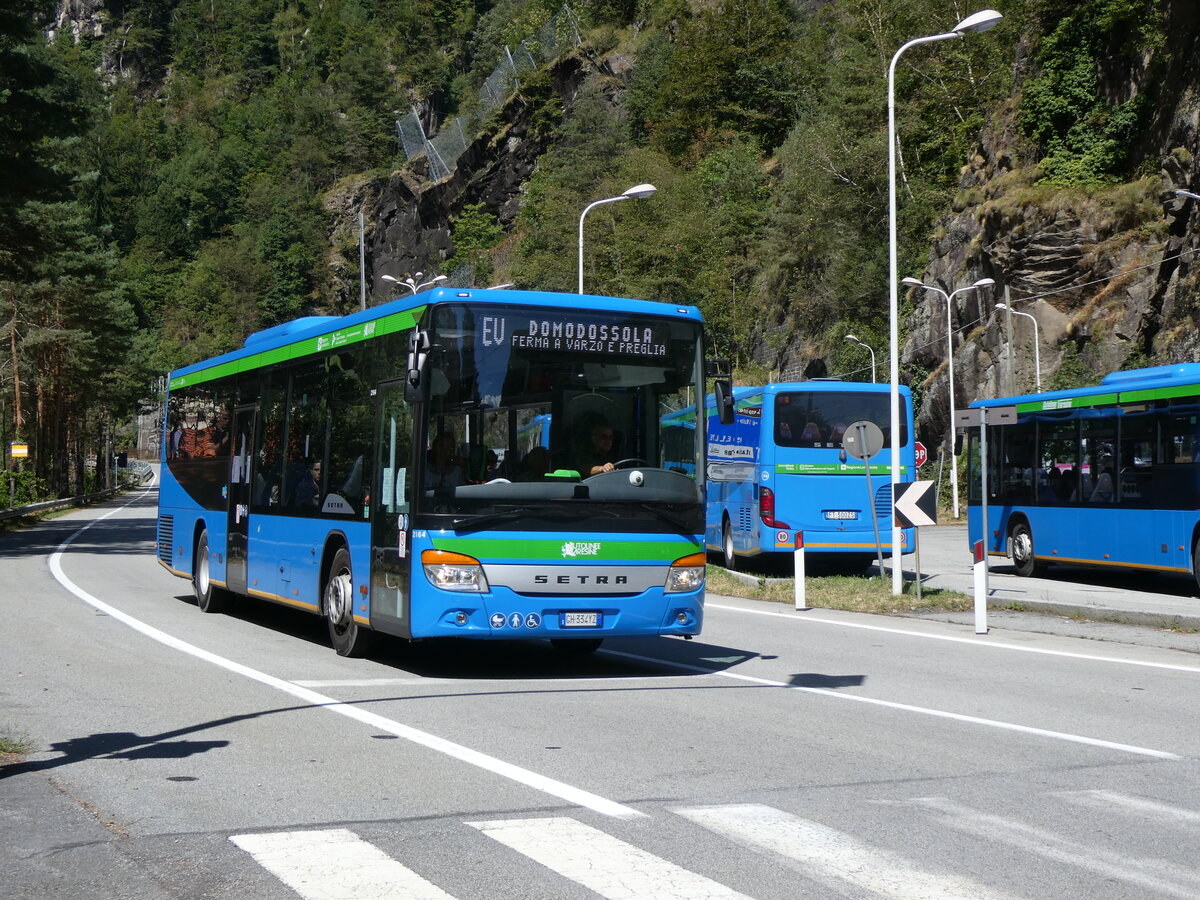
538,411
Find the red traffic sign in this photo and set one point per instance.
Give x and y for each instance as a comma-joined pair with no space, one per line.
922,453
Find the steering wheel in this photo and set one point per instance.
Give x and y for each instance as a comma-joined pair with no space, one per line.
629,463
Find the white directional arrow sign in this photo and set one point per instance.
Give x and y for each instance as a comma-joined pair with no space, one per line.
916,504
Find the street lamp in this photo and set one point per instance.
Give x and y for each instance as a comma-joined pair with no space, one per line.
1037,365
1188,194
949,298
411,281
638,192
851,337
980,21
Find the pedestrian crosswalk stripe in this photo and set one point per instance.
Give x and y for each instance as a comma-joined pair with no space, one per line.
606,865
1150,809
335,864
1159,877
831,857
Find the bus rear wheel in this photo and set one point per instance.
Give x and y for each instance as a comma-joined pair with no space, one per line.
209,597
337,607
727,546
1022,551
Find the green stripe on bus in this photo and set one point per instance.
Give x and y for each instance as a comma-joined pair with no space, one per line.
333,340
1167,393
831,469
573,551
1067,403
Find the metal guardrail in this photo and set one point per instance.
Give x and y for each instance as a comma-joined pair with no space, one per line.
145,473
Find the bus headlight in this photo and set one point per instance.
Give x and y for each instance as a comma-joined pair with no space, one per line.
454,571
687,574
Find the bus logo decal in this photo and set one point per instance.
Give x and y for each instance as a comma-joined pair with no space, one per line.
581,548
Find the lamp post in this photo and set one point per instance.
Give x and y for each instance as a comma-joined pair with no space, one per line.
1037,365
638,192
854,339
1186,194
949,298
980,21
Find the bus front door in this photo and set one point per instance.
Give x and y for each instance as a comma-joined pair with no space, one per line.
391,531
239,500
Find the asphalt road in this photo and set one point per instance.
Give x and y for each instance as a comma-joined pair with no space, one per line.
781,754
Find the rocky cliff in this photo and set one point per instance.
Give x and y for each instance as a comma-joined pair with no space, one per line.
1108,273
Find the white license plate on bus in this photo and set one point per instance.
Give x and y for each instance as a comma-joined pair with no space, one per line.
580,620
841,514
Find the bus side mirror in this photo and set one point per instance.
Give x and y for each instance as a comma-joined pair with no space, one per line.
416,366
723,395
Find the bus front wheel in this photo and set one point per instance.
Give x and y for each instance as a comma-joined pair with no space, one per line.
727,546
1196,561
337,606
209,597
1022,551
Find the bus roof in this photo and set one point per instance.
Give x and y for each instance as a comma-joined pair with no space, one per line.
782,387
1130,386
313,334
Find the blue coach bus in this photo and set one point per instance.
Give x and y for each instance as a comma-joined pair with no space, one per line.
375,469
779,468
1102,476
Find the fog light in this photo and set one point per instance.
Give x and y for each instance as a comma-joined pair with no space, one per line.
681,617
460,618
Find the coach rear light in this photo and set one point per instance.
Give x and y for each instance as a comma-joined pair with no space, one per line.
687,574
454,571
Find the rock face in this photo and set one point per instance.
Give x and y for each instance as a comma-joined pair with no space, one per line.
408,218
1110,275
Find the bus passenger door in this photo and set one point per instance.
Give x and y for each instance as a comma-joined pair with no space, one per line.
239,499
391,530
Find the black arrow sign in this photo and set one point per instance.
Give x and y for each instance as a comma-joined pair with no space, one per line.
916,504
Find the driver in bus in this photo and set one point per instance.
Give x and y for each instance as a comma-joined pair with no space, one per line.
598,457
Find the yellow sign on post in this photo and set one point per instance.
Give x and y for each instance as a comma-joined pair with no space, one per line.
19,450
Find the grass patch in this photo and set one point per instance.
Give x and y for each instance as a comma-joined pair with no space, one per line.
846,592
11,748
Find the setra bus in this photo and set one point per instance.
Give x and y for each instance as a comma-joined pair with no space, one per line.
779,467
1105,475
376,470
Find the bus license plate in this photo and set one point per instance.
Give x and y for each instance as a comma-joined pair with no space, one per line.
841,514
580,620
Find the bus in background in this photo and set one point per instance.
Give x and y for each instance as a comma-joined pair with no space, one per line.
1103,476
780,468
417,469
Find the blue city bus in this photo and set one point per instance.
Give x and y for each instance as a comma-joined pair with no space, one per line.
780,468
1101,476
414,469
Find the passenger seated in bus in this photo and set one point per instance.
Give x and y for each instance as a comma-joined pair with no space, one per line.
442,469
1050,485
308,488
536,464
1103,492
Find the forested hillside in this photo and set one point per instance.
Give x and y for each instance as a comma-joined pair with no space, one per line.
176,174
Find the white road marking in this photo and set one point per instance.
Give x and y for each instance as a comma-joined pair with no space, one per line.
805,619
335,865
831,857
906,707
1150,809
1159,877
606,865
563,791
505,687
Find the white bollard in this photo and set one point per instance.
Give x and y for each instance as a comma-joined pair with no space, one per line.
981,588
800,601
